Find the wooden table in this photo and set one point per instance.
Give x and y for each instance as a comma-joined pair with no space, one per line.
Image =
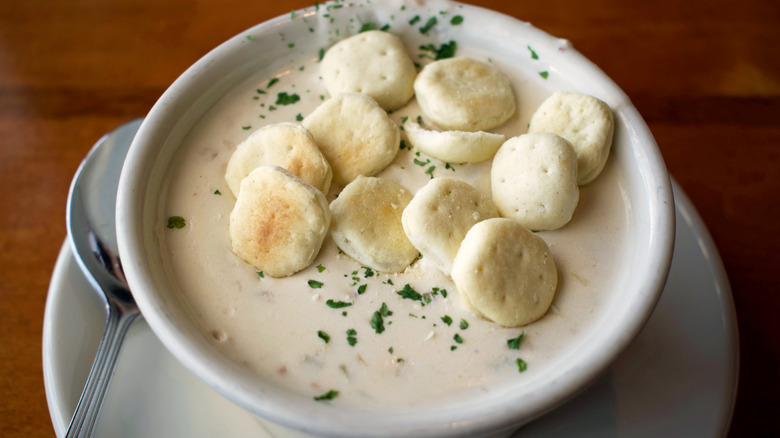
704,74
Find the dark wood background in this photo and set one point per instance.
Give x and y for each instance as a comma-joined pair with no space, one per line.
705,74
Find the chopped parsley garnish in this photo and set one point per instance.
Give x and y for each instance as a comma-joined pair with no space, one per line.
421,163
368,272
521,365
324,336
453,348
245,128
464,324
544,74
409,293
287,99
217,192
337,304
377,323
351,337
314,284
361,289
447,320
429,25
367,26
514,343
176,222
437,291
321,54
402,145
299,118
447,50
390,350
291,46
260,274
330,395
271,82
384,311
259,91
456,20
320,268
457,338
533,53
414,20
250,37
429,171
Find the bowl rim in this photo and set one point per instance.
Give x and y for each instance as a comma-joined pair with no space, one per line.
195,354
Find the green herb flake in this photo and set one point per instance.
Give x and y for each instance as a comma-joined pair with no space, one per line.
314,284
299,118
385,28
544,74
291,46
287,99
250,37
402,145
261,91
337,304
409,293
261,274
453,348
533,53
447,319
367,26
457,338
429,25
447,50
456,20
272,82
351,337
421,163
414,20
320,268
321,54
330,395
521,365
430,170
271,108
217,192
246,128
362,289
176,222
464,324
384,311
368,272
390,350
514,343
377,323
324,336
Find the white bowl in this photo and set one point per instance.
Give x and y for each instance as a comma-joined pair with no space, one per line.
273,46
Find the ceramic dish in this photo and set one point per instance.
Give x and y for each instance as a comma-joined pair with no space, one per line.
288,46
690,392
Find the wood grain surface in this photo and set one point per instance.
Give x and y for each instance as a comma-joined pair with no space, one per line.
704,74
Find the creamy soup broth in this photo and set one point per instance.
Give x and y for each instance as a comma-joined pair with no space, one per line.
275,326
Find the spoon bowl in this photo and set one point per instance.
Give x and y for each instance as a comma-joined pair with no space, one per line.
91,220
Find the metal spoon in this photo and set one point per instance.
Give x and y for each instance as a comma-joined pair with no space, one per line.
92,234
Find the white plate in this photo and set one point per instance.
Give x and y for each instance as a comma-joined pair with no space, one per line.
678,378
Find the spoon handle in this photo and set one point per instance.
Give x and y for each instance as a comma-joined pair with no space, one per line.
91,401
